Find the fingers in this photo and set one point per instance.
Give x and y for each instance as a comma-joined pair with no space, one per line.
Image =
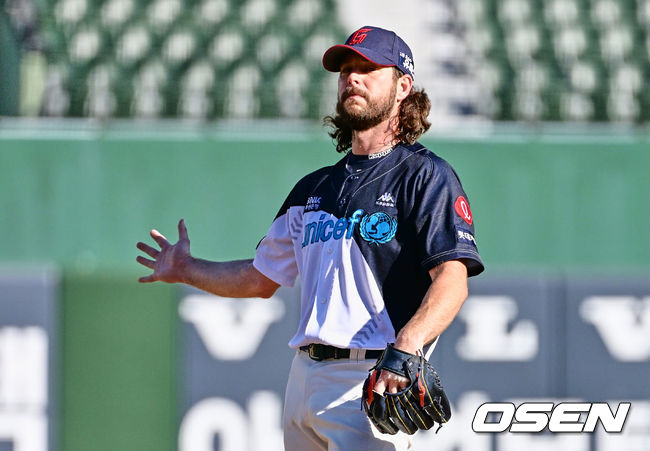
145,261
147,279
391,383
159,238
150,251
182,231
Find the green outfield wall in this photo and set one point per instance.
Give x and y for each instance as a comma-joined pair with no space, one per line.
83,197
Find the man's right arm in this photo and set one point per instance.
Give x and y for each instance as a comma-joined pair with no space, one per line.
173,263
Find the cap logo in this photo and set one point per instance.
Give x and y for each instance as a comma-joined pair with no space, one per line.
407,62
359,36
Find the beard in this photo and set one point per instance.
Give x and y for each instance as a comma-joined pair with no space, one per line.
376,111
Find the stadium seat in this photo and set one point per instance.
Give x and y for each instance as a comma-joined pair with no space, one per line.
85,45
583,59
605,13
271,50
643,13
161,15
179,47
290,88
69,13
584,77
570,43
576,106
242,100
209,14
514,12
56,100
115,13
303,15
226,48
623,107
255,14
561,13
133,45
616,44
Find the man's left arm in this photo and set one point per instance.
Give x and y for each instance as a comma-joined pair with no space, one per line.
441,303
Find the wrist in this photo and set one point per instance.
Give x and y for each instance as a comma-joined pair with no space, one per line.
407,343
187,272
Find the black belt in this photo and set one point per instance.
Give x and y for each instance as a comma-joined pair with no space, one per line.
319,352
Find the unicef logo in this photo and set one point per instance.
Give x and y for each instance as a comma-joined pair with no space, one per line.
378,228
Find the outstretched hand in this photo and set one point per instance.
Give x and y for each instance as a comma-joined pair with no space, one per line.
169,264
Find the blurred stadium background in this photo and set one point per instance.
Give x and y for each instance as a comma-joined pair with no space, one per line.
117,116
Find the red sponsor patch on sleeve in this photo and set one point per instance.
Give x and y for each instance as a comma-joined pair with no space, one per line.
462,209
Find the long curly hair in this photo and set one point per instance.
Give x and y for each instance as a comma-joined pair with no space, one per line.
412,118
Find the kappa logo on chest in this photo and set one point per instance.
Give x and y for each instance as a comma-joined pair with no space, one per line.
385,200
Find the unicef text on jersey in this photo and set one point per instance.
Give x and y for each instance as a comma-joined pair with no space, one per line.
377,228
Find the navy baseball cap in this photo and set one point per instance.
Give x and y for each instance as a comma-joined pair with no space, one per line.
382,47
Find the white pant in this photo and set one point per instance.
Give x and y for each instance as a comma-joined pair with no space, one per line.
322,408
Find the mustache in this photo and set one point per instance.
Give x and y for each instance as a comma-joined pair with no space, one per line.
351,91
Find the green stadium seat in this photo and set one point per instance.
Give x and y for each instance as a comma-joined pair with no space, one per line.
133,45
196,85
328,90
194,105
179,47
56,99
226,48
528,106
471,13
200,76
643,13
584,77
68,13
533,77
576,107
623,107
147,104
151,75
302,15
480,40
242,100
570,43
522,43
626,78
606,13
561,13
514,12
616,44
115,14
85,45
271,50
490,75
256,14
291,86
316,44
209,14
162,14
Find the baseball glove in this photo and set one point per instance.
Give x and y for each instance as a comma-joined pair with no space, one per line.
419,406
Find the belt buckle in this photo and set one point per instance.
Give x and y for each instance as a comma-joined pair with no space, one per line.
312,353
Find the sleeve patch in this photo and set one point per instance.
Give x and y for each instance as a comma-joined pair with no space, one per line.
464,235
462,209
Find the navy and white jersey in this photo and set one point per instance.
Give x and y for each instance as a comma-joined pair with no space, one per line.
363,235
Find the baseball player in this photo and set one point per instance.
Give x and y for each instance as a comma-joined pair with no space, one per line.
383,242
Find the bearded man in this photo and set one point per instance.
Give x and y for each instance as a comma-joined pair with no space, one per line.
383,242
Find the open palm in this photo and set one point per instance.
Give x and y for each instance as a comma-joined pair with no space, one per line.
170,262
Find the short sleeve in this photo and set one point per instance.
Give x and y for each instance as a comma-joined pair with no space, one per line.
444,221
275,255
